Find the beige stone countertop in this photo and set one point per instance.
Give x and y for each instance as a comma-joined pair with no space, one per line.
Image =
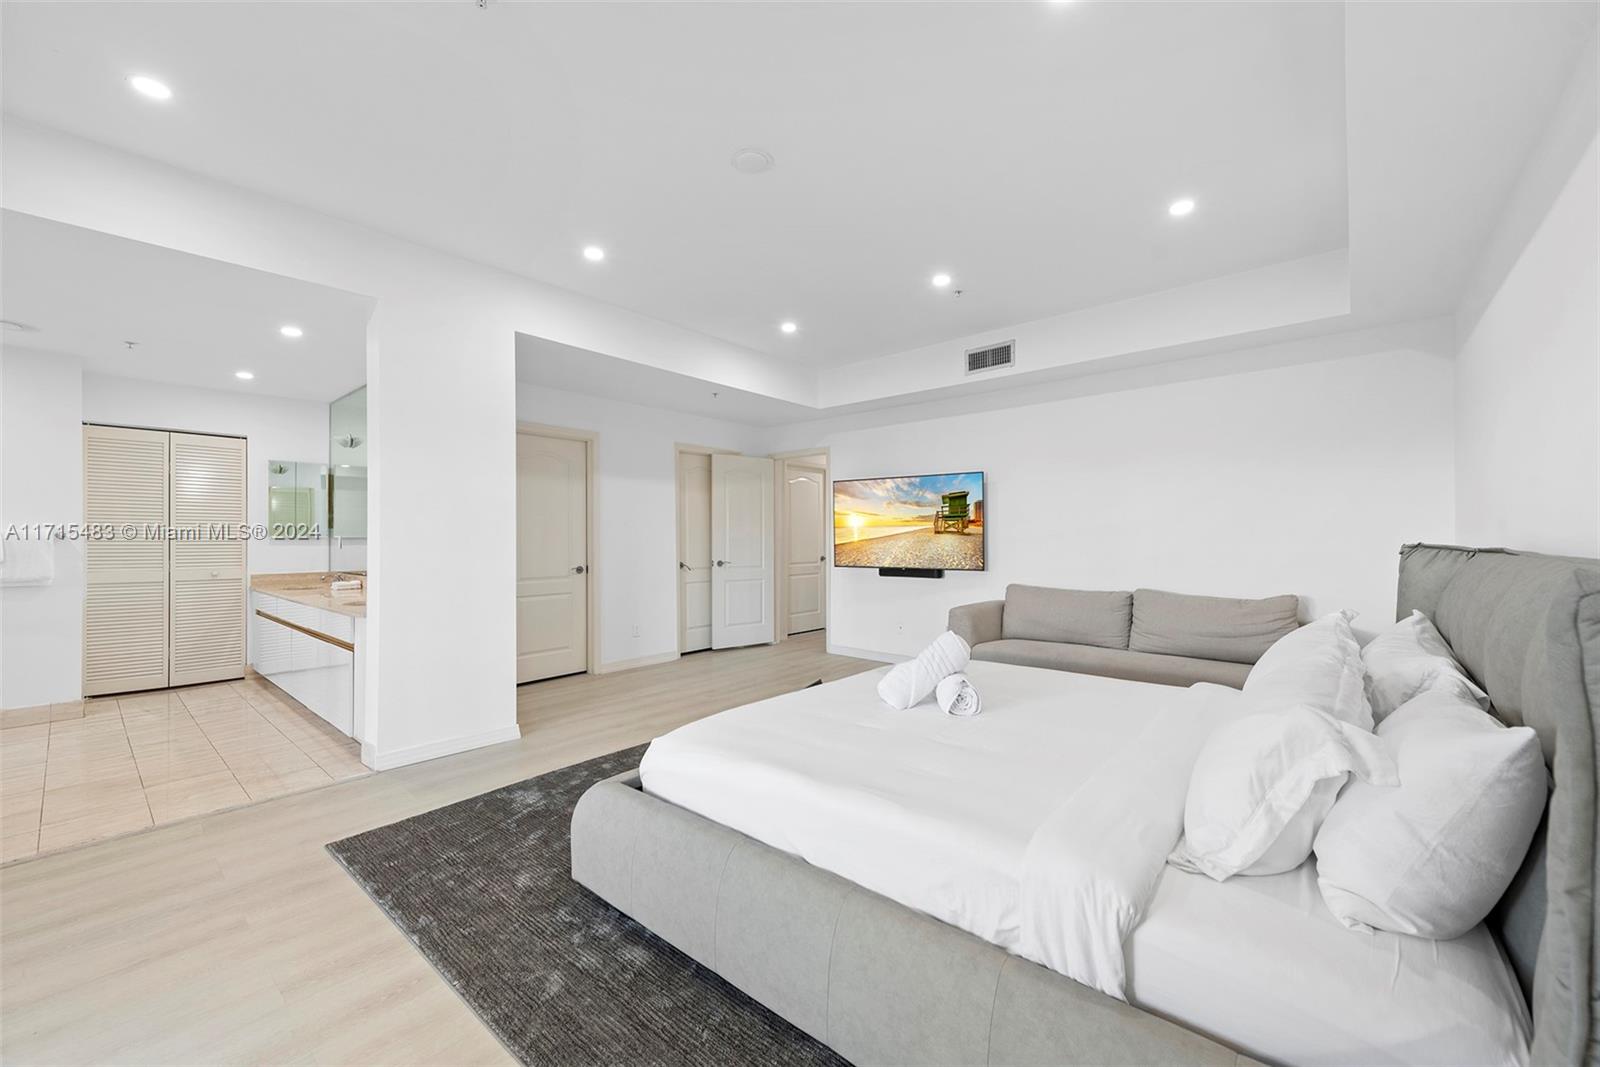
311,589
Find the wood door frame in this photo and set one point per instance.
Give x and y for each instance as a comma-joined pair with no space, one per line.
591,445
680,449
781,537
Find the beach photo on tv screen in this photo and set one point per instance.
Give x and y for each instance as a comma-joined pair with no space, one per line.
927,521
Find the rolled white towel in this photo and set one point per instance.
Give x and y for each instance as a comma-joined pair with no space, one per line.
910,682
957,695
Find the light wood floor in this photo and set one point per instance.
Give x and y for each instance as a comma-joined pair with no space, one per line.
235,938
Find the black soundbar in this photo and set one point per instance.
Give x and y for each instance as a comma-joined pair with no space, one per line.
909,572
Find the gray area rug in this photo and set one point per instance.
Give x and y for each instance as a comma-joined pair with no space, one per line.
482,888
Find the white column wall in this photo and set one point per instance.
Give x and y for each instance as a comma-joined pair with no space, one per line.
442,411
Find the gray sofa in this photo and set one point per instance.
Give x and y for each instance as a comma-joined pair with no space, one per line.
1146,635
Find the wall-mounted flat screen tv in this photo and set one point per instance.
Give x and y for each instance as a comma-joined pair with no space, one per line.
931,521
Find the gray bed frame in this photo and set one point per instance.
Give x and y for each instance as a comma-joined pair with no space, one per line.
883,984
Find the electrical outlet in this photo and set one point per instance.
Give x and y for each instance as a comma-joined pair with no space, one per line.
636,631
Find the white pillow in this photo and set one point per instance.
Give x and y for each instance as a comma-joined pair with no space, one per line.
1432,857
1408,658
1319,664
1262,785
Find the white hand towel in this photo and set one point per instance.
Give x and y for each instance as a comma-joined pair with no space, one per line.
957,696
910,682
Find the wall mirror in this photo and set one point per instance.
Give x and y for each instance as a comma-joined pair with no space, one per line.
297,500
347,465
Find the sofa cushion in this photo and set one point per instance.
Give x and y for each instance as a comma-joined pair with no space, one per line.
1075,616
1113,662
1209,627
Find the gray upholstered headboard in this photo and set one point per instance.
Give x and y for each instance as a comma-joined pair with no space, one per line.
1527,627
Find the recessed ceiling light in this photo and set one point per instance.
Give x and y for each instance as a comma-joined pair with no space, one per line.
787,327
145,85
291,331
752,161
940,280
594,253
1179,208
243,375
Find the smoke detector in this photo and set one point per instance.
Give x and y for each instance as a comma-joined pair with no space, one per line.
752,161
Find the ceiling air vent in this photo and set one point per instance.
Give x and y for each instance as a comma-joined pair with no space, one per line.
991,357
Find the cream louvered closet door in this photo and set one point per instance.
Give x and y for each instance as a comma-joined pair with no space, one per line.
208,559
125,599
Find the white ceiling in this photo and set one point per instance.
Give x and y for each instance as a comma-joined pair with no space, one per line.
196,320
1030,149
541,361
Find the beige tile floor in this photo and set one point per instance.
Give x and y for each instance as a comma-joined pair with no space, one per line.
81,772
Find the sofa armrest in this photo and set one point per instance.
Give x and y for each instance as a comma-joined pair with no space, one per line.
978,623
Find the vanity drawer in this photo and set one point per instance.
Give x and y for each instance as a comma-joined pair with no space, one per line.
308,653
328,623
317,674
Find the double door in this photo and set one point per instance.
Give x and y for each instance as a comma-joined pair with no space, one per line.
165,595
725,546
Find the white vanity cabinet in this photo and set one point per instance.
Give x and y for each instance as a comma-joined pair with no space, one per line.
309,653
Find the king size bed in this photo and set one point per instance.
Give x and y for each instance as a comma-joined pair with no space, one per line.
917,888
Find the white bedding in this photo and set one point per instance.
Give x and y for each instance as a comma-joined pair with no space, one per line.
1262,965
937,811
1042,826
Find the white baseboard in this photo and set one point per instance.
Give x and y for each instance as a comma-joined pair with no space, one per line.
865,653
401,757
634,664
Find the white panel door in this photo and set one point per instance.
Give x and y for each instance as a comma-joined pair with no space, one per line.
125,599
694,547
552,557
805,491
208,588
742,551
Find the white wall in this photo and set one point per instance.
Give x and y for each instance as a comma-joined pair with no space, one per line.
41,481
274,428
441,410
635,508
1303,479
1528,389
1281,295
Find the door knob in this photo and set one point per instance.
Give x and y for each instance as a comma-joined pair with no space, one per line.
721,562
578,569
682,566
822,559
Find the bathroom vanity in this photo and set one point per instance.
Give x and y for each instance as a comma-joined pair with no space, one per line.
306,638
